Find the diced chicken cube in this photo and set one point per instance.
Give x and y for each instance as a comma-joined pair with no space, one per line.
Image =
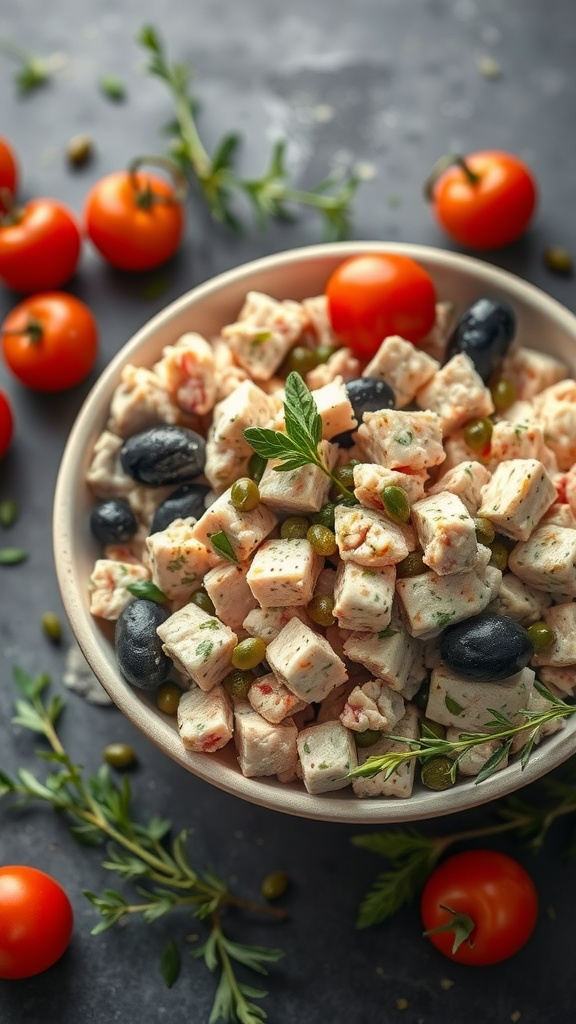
263,748
431,602
227,373
561,680
199,645
105,476
369,538
406,368
401,782
561,619
332,706
205,722
457,394
141,400
472,761
559,514
305,662
531,371
177,560
446,533
318,320
520,439
271,699
299,491
187,370
458,451
409,441
145,500
327,754
284,572
555,408
264,333
389,655
370,480
547,561
335,409
518,601
341,363
267,623
436,342
537,704
363,597
107,585
227,450
244,530
373,706
517,496
230,594
466,481
463,703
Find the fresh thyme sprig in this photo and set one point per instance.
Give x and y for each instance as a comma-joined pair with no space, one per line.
271,196
34,71
299,445
99,811
500,728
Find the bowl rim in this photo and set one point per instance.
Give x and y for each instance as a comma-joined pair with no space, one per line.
265,792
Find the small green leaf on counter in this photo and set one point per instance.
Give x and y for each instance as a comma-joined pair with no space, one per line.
8,512
113,88
147,590
170,963
34,71
221,543
12,556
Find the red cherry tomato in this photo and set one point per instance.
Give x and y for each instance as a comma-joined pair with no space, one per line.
379,294
6,424
486,203
8,173
495,892
50,341
134,219
37,921
39,246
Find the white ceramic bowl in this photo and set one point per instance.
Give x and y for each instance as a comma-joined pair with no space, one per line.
543,324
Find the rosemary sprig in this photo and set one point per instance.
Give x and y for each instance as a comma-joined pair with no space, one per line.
34,70
99,812
500,728
271,196
299,445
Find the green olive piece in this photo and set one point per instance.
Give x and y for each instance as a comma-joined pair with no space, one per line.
203,600
301,360
322,540
396,504
412,565
238,682
478,433
244,494
256,467
345,476
541,636
323,353
168,697
499,556
119,755
558,260
248,653
437,773
275,885
52,627
325,516
294,528
503,394
321,610
367,738
79,150
485,532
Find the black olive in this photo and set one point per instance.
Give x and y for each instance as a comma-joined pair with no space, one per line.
141,659
113,522
366,394
163,455
486,648
484,333
187,501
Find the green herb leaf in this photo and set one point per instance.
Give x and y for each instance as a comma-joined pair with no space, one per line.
383,634
170,963
146,590
412,858
452,705
8,512
34,72
222,544
113,88
12,556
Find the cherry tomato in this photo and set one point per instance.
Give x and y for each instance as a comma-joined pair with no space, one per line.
486,201
6,424
39,246
134,219
379,294
37,921
491,889
50,341
8,172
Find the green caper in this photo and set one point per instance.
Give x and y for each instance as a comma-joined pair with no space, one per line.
248,653
541,636
503,393
202,600
478,433
244,494
168,697
238,682
299,359
396,504
325,516
119,755
323,353
294,528
52,627
438,773
429,727
499,556
412,565
322,540
321,610
79,150
558,260
275,885
485,532
345,477
367,738
256,467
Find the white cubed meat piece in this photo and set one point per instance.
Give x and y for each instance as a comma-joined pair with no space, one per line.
403,440
363,597
560,514
263,748
466,481
107,586
145,500
227,450
187,370
318,323
105,476
555,409
464,703
327,755
227,373
299,491
516,497
177,560
332,706
305,662
230,594
367,537
457,394
264,333
205,722
390,655
458,451
531,371
341,363
374,705
335,409
561,680
436,342
199,645
140,400
267,623
446,533
403,366
520,439
547,561
561,619
472,761
401,782
271,699
518,601
284,572
537,704
244,530
430,602
371,479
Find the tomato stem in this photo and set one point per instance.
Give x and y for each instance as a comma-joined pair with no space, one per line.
461,924
13,212
34,330
441,165
144,195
